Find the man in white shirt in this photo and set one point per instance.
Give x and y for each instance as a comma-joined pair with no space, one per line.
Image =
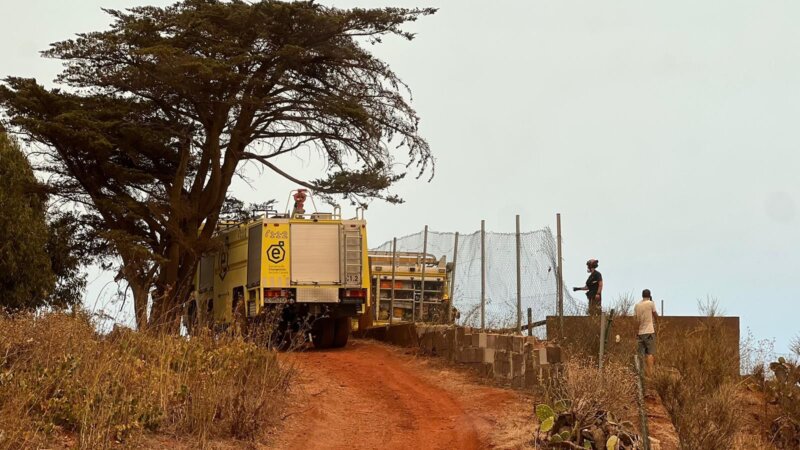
646,337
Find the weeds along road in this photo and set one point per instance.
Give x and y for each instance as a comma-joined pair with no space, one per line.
372,396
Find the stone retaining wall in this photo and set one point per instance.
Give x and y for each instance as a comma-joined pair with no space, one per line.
521,361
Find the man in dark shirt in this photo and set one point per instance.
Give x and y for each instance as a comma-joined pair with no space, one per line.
593,287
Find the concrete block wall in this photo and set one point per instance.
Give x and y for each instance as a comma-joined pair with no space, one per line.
519,360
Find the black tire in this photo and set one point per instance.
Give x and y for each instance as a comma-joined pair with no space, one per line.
323,333
342,332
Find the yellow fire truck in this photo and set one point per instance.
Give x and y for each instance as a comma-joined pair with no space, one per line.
313,267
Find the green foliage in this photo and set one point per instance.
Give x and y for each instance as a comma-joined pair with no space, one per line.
558,428
40,256
547,424
26,277
68,255
544,412
235,210
783,390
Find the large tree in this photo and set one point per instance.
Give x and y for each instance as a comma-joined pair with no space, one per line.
161,110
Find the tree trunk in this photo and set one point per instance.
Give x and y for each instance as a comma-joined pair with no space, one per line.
174,288
140,296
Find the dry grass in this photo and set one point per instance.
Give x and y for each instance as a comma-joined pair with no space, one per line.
697,380
588,389
58,378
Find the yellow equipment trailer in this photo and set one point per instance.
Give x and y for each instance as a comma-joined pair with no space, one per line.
313,268
409,282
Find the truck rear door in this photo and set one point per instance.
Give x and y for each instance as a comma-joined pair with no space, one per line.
315,254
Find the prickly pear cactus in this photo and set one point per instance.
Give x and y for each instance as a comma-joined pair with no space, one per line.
557,425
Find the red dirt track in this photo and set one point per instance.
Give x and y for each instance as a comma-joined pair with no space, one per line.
371,396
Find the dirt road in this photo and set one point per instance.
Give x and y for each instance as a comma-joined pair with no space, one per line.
370,396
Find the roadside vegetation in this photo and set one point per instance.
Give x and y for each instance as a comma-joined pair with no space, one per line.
698,380
589,408
63,383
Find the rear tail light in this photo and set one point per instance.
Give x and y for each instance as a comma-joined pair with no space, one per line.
355,293
276,293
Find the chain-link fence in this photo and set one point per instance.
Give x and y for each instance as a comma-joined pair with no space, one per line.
538,274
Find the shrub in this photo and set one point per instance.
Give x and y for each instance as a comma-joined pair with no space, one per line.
589,404
588,389
58,375
697,380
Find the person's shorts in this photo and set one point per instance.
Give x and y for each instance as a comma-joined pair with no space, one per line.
647,344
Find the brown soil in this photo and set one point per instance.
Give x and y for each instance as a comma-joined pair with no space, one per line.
372,396
659,424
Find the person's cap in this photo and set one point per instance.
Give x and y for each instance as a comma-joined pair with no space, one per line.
592,263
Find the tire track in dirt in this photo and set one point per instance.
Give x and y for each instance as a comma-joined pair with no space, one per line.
369,396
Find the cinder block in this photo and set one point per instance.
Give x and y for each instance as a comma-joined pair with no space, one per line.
439,343
517,364
459,338
502,364
503,342
531,379
485,369
517,343
466,340
464,355
479,340
426,343
542,352
554,355
486,355
491,340
450,341
530,358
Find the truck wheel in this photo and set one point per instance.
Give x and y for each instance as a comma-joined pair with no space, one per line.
342,332
323,333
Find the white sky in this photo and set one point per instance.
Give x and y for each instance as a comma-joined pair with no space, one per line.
664,133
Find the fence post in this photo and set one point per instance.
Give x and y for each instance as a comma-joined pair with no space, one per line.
530,322
662,307
483,274
640,401
453,280
519,282
377,297
394,270
605,326
422,282
560,277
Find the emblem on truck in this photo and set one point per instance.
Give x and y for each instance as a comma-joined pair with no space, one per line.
276,253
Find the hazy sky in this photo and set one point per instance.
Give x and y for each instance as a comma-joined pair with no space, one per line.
664,133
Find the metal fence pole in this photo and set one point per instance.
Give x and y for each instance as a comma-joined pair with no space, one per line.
560,277
662,307
519,281
453,280
377,297
414,295
530,322
394,270
422,282
483,274
602,339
